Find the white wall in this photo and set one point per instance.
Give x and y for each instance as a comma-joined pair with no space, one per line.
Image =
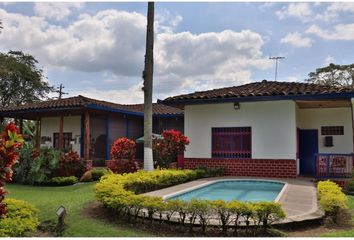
314,118
50,125
273,127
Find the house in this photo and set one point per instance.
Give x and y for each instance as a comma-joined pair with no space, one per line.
270,129
90,126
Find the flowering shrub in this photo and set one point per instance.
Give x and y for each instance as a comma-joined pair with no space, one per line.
10,143
21,220
123,154
331,198
167,149
123,194
70,164
123,148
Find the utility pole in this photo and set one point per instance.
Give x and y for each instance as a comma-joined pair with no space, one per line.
276,59
148,80
60,91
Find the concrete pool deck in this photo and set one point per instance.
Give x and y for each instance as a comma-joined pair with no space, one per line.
298,198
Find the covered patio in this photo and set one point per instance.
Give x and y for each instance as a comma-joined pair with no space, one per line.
90,126
325,138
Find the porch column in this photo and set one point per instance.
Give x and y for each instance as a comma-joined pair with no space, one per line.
61,127
38,133
87,136
108,150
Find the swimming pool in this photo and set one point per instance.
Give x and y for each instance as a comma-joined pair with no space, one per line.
227,190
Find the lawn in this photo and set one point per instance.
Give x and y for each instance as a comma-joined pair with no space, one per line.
74,198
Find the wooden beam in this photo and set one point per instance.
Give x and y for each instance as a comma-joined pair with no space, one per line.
38,133
87,136
61,136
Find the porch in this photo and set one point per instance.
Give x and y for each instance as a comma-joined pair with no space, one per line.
325,138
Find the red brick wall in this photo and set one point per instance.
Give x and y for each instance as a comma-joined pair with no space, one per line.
285,168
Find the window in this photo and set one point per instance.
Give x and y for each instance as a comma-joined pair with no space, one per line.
231,142
332,130
67,137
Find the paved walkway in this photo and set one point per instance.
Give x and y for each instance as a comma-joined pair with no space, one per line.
298,199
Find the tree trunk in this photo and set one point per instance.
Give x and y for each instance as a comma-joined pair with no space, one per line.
148,79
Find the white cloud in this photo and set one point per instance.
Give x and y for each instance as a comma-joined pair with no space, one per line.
55,10
334,10
302,11
131,95
340,32
297,40
310,12
165,21
114,41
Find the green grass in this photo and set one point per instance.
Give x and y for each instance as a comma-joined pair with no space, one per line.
348,233
74,198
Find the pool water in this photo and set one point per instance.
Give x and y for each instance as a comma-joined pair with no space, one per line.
242,190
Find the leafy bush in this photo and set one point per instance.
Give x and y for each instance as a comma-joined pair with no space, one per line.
267,213
97,173
21,220
166,149
10,143
349,186
204,172
124,166
71,164
118,192
123,148
23,168
44,166
331,198
62,181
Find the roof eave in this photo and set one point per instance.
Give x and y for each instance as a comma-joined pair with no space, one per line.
262,98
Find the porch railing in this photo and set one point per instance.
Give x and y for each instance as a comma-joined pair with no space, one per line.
334,165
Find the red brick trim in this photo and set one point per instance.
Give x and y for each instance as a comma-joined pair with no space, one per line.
282,168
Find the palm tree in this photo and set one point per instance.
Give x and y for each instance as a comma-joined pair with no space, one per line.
148,79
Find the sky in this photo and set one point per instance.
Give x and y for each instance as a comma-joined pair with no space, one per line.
97,49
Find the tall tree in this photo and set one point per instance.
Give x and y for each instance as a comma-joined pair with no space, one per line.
148,79
21,80
333,75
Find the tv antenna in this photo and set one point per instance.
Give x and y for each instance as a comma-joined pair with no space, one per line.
60,91
276,59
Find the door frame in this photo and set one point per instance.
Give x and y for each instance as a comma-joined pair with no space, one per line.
316,147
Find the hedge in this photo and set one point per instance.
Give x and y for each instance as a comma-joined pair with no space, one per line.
331,198
21,219
120,193
62,181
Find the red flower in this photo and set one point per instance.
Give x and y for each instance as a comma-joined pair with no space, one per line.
123,148
9,146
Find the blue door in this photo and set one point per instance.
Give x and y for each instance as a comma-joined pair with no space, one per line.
308,147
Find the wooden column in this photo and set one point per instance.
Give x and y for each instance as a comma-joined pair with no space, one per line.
38,133
87,136
61,138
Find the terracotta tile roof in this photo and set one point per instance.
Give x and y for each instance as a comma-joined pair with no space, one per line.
82,102
263,88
